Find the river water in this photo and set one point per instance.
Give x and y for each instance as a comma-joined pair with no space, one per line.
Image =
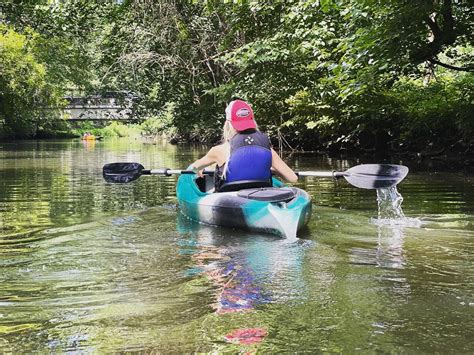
94,267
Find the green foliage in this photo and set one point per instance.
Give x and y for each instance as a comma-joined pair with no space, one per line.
69,35
325,73
442,108
25,86
166,59
118,130
82,127
161,124
113,129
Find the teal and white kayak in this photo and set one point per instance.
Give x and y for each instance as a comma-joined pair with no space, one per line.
280,209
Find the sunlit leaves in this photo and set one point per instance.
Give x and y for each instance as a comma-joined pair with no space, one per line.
327,67
25,84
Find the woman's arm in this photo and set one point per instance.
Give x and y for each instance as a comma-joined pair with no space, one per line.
206,160
213,156
282,169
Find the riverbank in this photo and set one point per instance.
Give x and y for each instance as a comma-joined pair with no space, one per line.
444,160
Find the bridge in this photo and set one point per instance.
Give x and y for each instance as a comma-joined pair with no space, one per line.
107,106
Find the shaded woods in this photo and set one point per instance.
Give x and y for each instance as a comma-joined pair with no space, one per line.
359,75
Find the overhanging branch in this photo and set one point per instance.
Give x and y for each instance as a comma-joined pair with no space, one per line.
452,67
443,34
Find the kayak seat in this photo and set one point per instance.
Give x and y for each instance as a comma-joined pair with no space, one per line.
244,184
269,194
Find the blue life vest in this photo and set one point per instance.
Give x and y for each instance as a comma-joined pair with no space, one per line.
249,162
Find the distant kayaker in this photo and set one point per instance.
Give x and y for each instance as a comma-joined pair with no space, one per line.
245,154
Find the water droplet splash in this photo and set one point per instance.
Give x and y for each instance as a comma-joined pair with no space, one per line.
390,211
391,223
390,203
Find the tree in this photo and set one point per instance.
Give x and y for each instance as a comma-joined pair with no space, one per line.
25,88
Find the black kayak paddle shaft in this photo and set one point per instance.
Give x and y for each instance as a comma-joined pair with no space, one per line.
365,176
120,173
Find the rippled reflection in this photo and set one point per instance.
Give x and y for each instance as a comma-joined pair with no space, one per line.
94,267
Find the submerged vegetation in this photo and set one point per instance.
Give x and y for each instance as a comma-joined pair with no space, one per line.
320,74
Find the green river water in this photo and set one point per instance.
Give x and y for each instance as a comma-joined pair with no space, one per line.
93,267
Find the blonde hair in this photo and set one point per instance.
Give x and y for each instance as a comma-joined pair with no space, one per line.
227,133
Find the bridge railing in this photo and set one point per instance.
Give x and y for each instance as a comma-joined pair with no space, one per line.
105,106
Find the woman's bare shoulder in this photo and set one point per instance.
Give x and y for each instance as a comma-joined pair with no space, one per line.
217,148
218,153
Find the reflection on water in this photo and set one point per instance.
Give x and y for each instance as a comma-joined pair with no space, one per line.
390,246
94,267
246,272
237,258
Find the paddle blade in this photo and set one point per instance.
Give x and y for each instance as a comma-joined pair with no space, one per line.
122,172
375,176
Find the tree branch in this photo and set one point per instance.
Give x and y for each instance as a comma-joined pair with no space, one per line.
452,67
433,26
443,34
449,32
447,12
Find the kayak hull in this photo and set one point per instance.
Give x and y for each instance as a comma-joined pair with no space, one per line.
228,209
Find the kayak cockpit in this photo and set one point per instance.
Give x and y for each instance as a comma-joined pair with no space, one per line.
205,184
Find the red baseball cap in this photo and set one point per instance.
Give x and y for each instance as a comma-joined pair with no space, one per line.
240,115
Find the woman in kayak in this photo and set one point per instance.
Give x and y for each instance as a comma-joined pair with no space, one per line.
245,158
